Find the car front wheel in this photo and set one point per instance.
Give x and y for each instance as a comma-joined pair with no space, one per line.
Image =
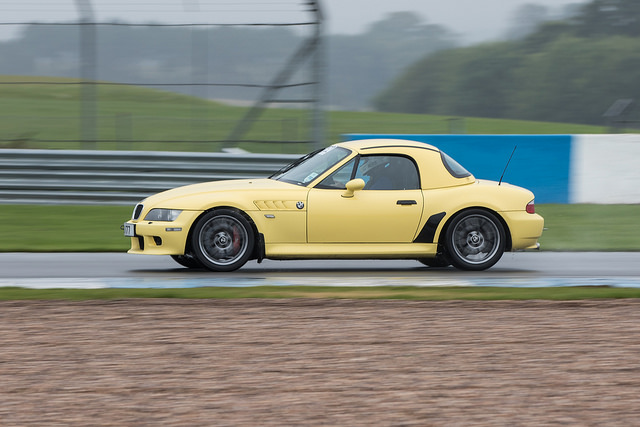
223,240
475,240
187,260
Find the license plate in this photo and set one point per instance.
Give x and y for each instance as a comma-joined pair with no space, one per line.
129,230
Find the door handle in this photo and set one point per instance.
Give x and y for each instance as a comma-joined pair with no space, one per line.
406,202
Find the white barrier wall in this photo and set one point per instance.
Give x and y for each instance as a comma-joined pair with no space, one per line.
605,169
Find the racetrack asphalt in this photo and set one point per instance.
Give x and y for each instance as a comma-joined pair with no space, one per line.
121,270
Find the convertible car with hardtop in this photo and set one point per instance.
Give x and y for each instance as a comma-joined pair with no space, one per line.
367,199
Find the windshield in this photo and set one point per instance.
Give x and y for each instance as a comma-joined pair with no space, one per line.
309,167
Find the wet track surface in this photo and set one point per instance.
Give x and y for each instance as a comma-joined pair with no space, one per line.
98,270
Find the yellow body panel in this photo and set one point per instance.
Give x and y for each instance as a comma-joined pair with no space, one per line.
525,229
367,217
282,227
303,221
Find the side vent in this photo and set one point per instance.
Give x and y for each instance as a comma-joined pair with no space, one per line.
428,232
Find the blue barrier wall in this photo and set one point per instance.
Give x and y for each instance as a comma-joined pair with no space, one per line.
541,163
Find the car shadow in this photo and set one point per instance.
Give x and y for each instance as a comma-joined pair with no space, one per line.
417,271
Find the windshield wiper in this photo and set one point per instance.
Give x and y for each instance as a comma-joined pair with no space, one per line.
290,166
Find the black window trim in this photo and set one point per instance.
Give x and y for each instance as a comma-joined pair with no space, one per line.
406,156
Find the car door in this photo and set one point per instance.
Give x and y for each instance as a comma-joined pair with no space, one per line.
387,210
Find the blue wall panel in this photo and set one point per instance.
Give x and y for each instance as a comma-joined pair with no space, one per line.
541,163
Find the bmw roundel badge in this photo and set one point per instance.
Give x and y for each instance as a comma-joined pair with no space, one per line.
300,205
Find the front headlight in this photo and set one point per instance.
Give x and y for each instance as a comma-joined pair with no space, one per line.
162,215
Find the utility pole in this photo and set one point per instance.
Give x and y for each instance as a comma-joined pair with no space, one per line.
319,88
88,67
311,49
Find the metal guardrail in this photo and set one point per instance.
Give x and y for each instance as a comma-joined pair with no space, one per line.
72,177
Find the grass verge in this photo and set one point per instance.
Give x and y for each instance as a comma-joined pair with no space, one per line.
373,293
590,227
136,118
36,228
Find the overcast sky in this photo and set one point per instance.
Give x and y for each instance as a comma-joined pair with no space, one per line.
472,20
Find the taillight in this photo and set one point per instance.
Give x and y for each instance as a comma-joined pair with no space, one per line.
531,207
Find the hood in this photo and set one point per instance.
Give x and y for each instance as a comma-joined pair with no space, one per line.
176,195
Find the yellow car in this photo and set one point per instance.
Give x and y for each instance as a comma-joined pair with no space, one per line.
378,198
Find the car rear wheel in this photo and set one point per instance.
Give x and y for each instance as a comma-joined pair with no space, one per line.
475,240
223,240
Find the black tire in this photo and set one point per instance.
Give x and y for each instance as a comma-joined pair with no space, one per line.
474,240
223,240
187,260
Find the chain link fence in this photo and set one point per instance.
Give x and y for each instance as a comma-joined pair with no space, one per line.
99,70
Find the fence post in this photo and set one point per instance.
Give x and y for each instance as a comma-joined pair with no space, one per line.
88,48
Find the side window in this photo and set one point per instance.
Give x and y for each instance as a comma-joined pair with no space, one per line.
384,172
339,178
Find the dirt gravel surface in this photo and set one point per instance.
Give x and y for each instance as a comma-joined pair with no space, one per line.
319,362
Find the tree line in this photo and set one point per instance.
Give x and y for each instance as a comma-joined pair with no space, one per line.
358,66
569,70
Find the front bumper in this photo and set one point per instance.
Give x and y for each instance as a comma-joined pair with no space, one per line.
161,237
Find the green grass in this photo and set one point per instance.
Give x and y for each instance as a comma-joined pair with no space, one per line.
386,292
36,228
30,115
590,227
33,228
374,122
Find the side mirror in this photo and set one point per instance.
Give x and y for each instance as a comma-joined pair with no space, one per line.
353,186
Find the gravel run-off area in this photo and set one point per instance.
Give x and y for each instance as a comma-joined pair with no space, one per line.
319,362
